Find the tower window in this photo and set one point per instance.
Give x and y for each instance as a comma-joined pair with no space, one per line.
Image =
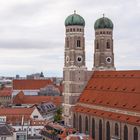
78,29
67,42
70,29
73,29
78,43
97,45
108,44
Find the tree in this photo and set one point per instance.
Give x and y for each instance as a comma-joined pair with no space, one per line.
58,115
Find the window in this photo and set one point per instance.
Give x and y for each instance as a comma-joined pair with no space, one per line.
74,121
125,133
35,117
93,128
80,124
135,131
116,130
3,138
67,43
108,44
107,131
97,45
86,124
78,43
100,130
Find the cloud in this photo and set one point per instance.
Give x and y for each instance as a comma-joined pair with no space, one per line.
32,33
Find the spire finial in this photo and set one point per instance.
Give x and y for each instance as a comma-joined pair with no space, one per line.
74,11
103,15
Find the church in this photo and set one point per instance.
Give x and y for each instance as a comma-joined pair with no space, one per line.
103,102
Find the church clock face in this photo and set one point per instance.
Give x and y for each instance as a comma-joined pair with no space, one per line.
108,59
79,59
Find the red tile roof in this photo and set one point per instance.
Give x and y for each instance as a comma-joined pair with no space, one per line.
114,89
108,115
30,84
20,98
5,92
16,111
117,89
14,115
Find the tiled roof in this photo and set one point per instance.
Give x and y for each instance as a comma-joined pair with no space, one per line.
108,115
117,89
30,84
5,92
114,89
15,115
16,111
20,98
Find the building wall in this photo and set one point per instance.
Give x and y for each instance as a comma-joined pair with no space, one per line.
7,137
26,92
74,72
36,113
30,130
5,100
104,123
103,50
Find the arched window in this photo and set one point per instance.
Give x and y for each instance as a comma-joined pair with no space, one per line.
97,45
107,131
86,125
125,133
80,124
74,121
78,43
67,43
135,131
108,44
100,130
116,129
93,128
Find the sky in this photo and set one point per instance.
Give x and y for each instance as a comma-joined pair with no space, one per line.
32,33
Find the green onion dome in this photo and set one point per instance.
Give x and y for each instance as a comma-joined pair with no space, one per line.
74,19
103,23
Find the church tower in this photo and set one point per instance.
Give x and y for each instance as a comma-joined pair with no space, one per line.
103,45
74,72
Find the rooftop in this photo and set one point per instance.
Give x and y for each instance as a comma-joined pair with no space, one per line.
30,84
20,98
112,89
